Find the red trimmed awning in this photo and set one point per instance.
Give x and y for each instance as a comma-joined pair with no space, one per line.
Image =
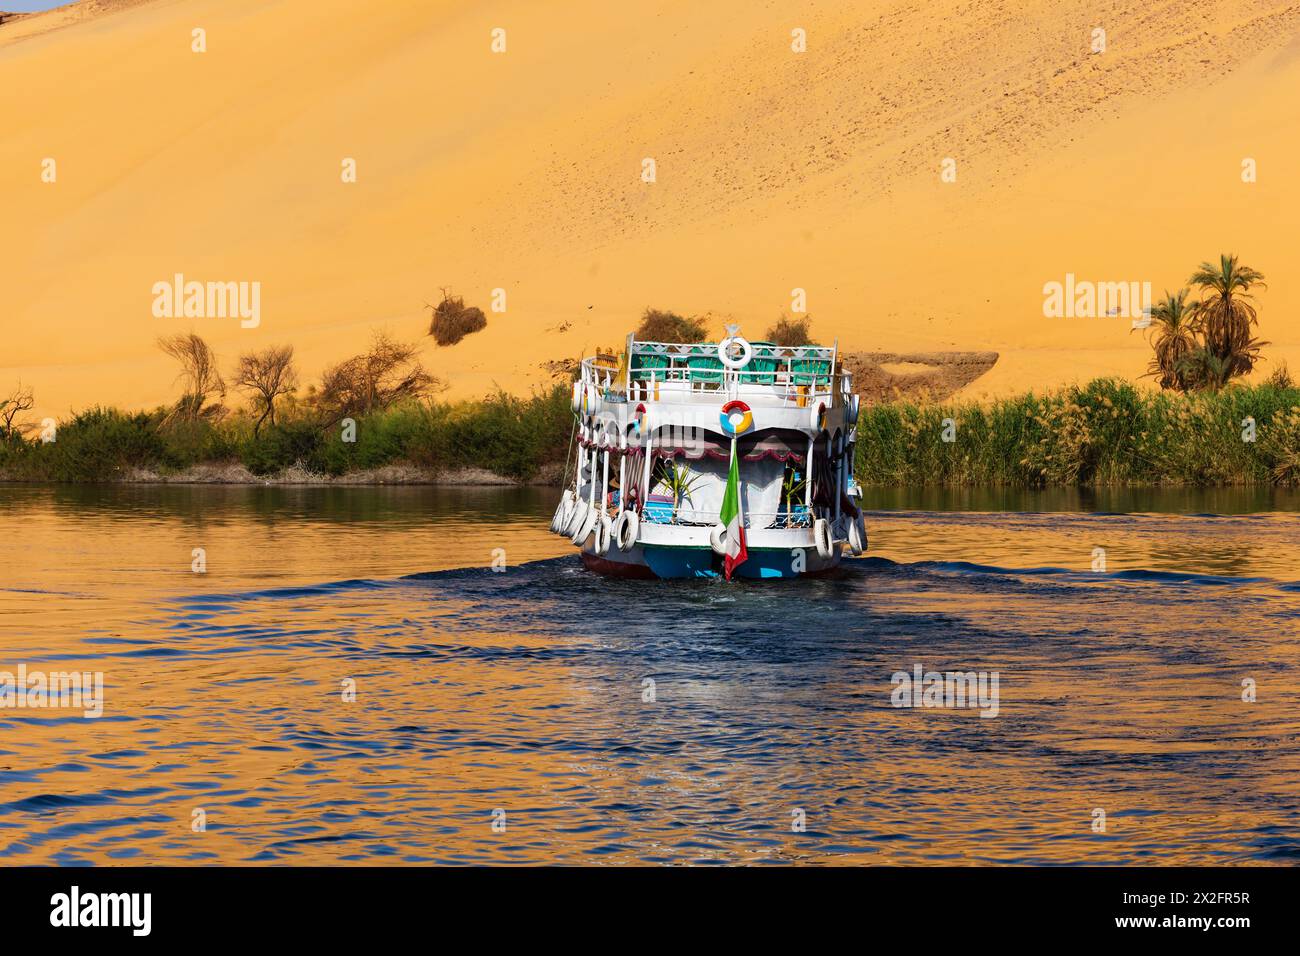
775,443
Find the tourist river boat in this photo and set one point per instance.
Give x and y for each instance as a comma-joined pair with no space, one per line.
707,459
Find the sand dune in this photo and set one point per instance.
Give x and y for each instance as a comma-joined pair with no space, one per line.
775,170
21,25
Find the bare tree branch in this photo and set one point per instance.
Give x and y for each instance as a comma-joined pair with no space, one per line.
385,375
18,401
268,374
198,371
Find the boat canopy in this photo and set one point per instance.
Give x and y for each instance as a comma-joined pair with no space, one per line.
778,444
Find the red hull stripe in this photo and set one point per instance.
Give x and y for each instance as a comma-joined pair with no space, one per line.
615,569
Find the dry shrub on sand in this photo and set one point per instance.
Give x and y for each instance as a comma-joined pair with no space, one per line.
453,320
1280,378
791,333
659,326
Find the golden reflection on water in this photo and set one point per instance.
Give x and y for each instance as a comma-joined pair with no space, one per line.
523,691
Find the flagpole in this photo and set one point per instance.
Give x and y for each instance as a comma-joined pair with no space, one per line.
732,514
740,507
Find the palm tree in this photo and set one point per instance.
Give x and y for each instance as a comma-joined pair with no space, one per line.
1201,368
679,482
1173,338
791,488
1224,314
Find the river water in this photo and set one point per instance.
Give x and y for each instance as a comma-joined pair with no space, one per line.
538,714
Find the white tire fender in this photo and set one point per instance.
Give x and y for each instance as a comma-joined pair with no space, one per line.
626,529
822,538
857,535
564,514
576,518
718,538
593,399
604,535
586,527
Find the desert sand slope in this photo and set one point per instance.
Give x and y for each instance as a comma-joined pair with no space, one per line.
522,171
20,25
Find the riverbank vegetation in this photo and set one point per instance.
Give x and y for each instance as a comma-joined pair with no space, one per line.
1202,428
375,409
379,409
1105,433
510,436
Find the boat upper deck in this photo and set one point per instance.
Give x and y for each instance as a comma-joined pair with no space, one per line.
761,373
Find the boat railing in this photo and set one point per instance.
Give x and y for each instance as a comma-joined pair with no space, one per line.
786,386
799,518
762,351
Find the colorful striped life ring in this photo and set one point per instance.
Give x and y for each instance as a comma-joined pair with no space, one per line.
736,418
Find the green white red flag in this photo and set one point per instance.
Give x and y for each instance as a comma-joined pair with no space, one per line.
733,518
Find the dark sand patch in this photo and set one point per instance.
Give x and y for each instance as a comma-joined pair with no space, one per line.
888,376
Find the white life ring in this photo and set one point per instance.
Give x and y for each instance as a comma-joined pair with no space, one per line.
626,529
822,538
576,518
718,538
593,399
604,535
857,535
577,396
587,526
724,352
817,417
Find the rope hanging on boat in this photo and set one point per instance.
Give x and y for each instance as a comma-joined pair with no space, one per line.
569,452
